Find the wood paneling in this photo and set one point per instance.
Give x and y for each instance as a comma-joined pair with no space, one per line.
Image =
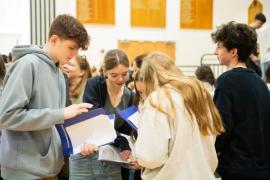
148,13
96,11
134,48
196,14
254,8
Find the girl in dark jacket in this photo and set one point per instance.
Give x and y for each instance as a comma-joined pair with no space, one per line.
110,93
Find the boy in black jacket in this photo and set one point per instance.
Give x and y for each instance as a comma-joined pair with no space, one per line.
244,104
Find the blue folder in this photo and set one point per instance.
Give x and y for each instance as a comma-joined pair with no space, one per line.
126,113
65,140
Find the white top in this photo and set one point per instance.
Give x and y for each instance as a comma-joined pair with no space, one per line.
171,154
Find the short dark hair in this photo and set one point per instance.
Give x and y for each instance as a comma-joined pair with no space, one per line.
5,58
68,27
236,35
261,17
204,73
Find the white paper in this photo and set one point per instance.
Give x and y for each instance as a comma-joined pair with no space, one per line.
112,118
110,154
97,130
134,118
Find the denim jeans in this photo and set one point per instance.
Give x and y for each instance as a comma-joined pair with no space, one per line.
89,168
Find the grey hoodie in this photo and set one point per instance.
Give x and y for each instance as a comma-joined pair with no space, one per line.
32,102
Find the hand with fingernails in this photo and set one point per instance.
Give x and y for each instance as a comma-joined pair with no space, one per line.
76,109
87,149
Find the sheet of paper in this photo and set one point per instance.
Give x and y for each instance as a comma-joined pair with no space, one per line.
112,118
110,154
97,130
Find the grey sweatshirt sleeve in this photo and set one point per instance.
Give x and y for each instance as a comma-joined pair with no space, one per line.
17,111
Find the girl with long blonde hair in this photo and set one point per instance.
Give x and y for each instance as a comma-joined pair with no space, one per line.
178,125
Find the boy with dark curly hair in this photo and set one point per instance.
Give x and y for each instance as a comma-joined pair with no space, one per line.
33,102
244,104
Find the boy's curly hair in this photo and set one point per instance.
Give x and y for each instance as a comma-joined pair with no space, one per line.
236,35
68,27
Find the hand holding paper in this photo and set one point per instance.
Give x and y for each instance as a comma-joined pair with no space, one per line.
125,154
111,154
135,165
93,127
76,109
87,149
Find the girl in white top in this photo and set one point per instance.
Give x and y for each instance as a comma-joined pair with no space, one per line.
178,124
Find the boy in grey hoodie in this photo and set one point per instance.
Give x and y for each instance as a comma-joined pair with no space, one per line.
33,101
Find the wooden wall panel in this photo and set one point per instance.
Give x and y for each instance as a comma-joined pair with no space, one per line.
254,8
196,14
134,48
96,11
148,13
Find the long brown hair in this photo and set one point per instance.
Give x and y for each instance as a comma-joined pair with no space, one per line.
84,66
137,97
113,58
159,73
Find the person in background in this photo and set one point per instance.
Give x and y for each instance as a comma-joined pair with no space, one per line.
138,101
258,22
254,61
243,101
139,90
136,65
100,70
33,102
8,61
206,76
110,93
9,57
5,58
265,61
77,71
267,76
178,125
2,74
94,70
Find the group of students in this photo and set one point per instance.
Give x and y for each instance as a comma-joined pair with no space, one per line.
182,133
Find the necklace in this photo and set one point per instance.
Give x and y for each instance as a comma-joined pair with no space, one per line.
115,96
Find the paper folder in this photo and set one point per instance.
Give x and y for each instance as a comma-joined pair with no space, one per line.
131,116
93,127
